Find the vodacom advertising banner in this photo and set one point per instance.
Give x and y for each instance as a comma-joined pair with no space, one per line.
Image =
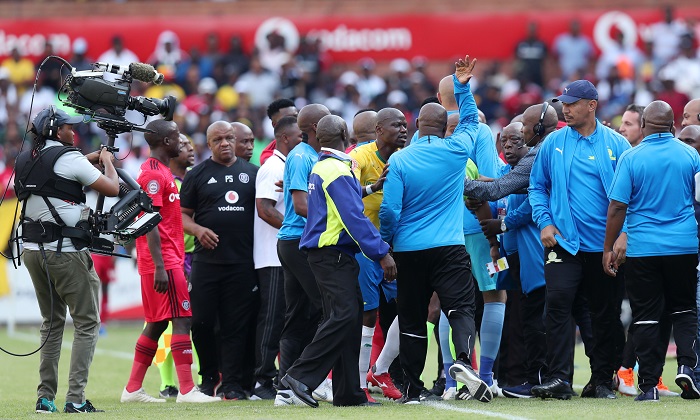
434,36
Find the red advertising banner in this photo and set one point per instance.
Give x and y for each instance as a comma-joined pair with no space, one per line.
346,39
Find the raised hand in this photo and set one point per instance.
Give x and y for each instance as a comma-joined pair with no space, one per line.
464,69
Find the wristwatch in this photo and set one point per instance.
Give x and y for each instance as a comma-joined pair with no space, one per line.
503,225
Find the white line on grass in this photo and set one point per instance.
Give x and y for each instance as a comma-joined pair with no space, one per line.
68,344
445,406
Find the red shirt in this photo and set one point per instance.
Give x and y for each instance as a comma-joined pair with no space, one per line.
158,182
268,151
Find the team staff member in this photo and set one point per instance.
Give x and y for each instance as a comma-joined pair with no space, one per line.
421,217
631,124
364,125
335,230
74,282
691,113
245,140
371,158
518,178
269,204
301,293
660,269
159,256
218,199
580,158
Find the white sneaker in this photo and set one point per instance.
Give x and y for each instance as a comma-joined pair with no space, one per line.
463,373
496,390
139,396
449,393
196,396
286,397
324,392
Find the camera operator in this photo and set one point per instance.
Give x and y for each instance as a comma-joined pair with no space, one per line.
50,181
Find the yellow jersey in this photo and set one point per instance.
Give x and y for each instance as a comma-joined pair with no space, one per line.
370,168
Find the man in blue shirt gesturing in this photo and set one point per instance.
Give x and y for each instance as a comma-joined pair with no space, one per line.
421,216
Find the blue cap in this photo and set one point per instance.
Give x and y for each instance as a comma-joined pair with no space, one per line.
580,89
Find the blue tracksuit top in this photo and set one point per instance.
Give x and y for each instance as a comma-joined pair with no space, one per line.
527,236
551,175
423,206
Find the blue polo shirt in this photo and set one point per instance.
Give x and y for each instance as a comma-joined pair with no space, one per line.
300,161
657,181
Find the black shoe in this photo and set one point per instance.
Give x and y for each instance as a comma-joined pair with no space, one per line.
588,391
438,387
264,392
686,380
169,392
232,395
652,395
556,388
463,394
604,392
210,385
86,407
300,390
426,395
405,399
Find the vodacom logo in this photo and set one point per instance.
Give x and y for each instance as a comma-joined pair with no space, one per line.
231,197
340,38
619,20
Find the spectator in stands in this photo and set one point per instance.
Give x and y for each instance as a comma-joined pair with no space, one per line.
666,36
20,69
369,84
672,96
684,69
621,53
235,60
167,51
8,98
531,53
573,49
118,55
259,84
80,61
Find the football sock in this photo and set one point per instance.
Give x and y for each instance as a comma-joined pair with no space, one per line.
365,352
181,349
143,357
491,329
390,350
445,348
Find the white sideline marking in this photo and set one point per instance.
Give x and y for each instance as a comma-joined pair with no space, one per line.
445,406
68,344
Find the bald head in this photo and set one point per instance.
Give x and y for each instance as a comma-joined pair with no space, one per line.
363,125
218,126
452,121
531,117
332,131
657,118
432,120
446,93
690,135
310,115
245,140
691,113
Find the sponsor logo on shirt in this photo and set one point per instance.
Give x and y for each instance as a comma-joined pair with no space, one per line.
231,197
211,181
231,208
244,178
152,187
173,197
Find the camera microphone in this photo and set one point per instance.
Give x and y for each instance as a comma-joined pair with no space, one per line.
139,71
145,73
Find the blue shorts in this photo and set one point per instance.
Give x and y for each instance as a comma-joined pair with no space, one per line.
371,278
479,251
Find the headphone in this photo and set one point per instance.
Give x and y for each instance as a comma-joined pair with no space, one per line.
539,127
50,129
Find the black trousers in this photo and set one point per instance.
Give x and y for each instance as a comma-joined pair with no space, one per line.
270,322
567,276
336,344
658,286
511,357
227,294
303,303
445,271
